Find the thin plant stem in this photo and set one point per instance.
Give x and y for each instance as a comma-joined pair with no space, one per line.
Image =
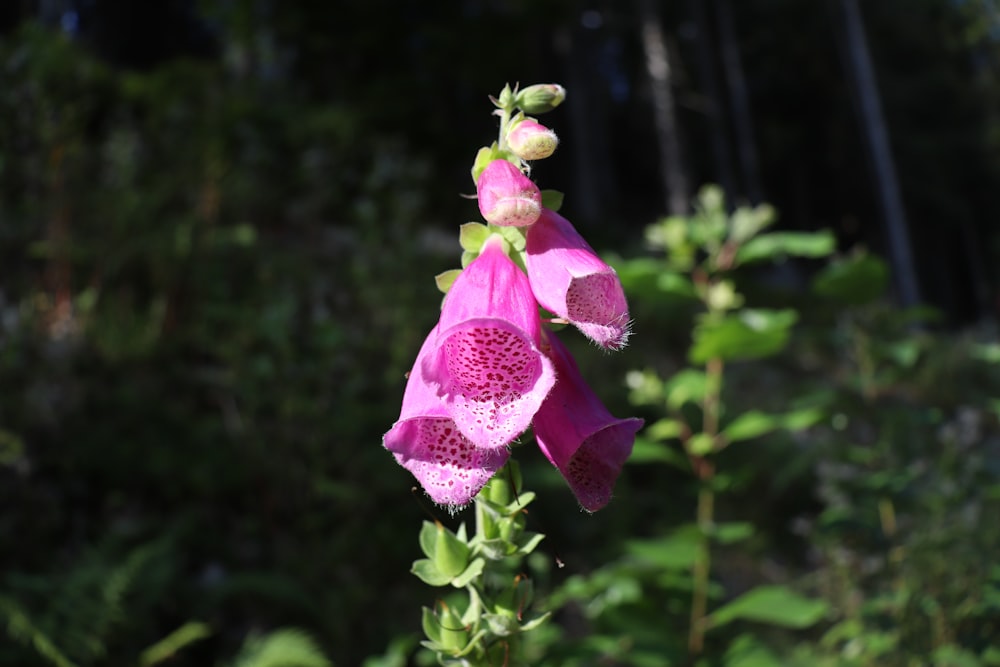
706,510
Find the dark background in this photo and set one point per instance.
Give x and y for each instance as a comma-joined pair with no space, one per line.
219,224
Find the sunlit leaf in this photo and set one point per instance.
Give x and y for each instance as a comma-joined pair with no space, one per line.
776,605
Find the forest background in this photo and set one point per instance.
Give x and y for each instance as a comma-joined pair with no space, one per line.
219,227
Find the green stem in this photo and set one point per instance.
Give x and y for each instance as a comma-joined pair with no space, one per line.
706,510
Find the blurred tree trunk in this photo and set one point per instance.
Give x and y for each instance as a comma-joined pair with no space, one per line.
658,66
861,74
596,189
713,92
739,100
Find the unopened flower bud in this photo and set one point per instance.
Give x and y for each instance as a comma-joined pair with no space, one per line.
507,197
540,98
530,140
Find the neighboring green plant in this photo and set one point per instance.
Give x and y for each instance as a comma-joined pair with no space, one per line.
635,605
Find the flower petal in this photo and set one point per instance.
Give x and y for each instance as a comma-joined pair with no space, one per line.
426,441
487,365
569,279
579,436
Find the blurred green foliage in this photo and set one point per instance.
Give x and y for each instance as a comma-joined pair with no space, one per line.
213,284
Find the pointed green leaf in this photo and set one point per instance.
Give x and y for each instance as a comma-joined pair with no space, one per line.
676,551
751,424
779,244
857,280
648,451
746,334
776,605
688,385
733,531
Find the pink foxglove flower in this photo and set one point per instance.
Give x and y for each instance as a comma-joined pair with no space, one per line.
426,442
487,365
571,281
579,436
507,197
530,140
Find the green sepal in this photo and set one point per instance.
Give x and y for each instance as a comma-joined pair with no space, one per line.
428,538
528,542
502,625
432,629
451,554
446,279
552,199
514,236
484,156
472,235
540,98
535,622
454,635
427,572
520,502
474,569
495,548
467,258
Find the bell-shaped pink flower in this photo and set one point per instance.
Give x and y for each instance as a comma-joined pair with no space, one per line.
571,281
530,140
487,365
579,436
506,196
426,442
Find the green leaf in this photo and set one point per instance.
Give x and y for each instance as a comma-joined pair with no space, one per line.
647,451
747,334
745,651
472,235
168,647
281,648
857,280
677,551
552,199
733,531
665,429
778,244
749,425
776,605
688,385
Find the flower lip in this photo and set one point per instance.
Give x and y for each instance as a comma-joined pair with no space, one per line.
426,441
487,365
585,442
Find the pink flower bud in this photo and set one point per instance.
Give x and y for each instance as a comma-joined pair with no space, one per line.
531,140
579,436
507,197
